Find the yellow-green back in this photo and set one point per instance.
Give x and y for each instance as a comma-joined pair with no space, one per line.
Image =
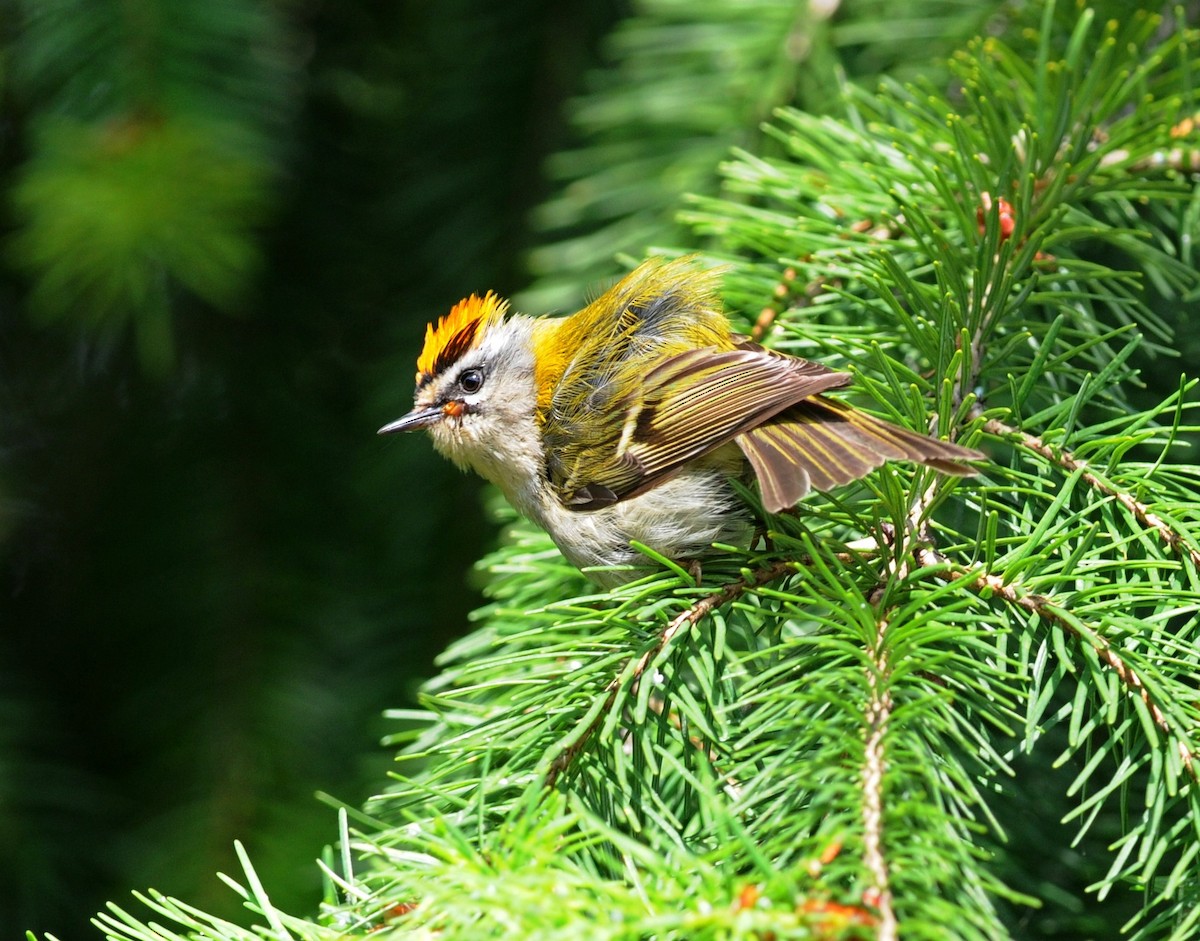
661,307
590,366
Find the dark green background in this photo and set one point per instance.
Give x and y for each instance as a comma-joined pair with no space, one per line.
216,577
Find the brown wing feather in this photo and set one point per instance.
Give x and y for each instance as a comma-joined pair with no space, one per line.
691,404
821,444
701,399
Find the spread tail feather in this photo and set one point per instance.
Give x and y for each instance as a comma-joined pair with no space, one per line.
821,443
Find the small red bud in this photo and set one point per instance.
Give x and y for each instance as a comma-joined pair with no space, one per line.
747,897
829,916
1004,211
831,851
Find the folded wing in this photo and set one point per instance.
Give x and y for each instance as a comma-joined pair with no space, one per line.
696,401
685,407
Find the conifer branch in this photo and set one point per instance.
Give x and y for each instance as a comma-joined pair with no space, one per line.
1174,539
786,296
634,670
878,715
1048,610
1177,159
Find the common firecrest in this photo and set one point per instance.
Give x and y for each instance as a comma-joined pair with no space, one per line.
628,420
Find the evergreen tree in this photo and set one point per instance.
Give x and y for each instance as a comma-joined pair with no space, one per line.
836,734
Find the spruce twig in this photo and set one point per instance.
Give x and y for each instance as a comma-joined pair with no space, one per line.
1172,537
1049,610
878,715
633,670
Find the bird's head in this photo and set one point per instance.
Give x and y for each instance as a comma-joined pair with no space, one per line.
475,389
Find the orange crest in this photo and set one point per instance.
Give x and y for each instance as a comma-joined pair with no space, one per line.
459,331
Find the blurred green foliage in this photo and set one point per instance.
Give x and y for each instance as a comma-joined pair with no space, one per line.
687,83
156,128
111,218
214,576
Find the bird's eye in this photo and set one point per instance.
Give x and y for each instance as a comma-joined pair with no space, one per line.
471,381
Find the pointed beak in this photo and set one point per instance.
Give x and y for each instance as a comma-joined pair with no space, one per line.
416,419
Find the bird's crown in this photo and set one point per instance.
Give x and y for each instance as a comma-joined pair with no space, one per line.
460,330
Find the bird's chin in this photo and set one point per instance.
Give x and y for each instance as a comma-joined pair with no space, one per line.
448,441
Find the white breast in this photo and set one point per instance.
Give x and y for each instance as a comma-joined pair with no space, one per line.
680,519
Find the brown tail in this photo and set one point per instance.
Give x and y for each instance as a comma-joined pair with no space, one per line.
821,443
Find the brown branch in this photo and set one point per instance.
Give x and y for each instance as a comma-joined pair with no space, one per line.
1046,609
878,715
1066,460
1177,159
635,668
786,294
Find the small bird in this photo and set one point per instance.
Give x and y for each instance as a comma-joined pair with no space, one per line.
628,420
